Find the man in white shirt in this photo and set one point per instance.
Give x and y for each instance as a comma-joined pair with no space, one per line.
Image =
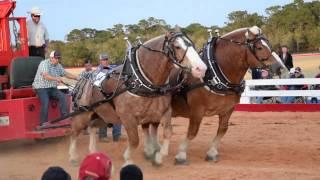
37,34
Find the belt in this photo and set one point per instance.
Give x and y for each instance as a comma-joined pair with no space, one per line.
43,46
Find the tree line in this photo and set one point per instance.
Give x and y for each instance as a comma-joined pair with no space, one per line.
296,25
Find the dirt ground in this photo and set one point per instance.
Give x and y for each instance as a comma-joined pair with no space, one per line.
257,146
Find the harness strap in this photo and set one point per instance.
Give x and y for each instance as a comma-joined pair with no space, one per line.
214,78
90,107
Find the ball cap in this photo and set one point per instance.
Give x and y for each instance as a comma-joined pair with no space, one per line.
97,165
103,56
35,11
55,54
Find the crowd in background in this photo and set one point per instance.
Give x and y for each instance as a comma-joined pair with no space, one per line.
294,72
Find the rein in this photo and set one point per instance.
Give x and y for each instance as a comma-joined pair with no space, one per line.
90,107
135,78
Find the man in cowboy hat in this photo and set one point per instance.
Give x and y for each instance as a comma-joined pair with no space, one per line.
37,34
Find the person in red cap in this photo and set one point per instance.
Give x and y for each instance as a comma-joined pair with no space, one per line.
96,166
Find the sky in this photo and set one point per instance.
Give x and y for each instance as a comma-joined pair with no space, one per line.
62,16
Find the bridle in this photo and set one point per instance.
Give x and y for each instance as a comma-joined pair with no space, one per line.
250,44
168,50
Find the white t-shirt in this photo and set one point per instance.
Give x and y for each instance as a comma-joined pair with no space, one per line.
284,55
99,78
37,33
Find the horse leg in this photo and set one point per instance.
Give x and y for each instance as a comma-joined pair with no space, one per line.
78,124
148,148
93,139
167,133
133,139
73,155
213,154
194,125
156,147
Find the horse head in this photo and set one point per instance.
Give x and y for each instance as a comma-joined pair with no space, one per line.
260,48
182,51
249,46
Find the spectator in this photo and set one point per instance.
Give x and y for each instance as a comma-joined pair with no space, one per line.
96,166
286,57
297,74
317,87
100,72
87,69
265,75
55,173
255,73
48,76
318,75
131,172
37,34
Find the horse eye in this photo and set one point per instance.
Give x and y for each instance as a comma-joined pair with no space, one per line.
259,48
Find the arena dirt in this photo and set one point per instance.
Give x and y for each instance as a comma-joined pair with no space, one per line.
257,146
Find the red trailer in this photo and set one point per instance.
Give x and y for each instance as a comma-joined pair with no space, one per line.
19,106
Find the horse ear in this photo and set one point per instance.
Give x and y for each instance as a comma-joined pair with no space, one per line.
177,28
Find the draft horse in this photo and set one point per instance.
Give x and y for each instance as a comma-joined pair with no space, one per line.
147,94
228,59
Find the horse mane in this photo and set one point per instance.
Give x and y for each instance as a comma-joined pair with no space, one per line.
234,32
254,30
153,39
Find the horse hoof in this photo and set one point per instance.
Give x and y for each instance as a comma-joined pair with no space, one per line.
155,164
212,158
148,157
157,159
181,162
74,163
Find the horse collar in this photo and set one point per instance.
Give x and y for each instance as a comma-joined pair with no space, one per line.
215,80
137,83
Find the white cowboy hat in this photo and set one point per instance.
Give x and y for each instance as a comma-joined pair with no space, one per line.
35,11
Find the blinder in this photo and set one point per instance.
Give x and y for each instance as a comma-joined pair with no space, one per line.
251,44
171,53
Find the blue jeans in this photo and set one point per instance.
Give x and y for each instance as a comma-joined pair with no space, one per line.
116,131
287,99
259,100
45,94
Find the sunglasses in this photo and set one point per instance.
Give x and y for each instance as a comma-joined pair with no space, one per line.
37,16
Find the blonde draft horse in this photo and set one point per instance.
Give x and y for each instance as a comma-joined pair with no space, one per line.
133,109
235,52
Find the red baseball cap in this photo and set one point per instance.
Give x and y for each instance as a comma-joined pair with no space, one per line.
97,165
